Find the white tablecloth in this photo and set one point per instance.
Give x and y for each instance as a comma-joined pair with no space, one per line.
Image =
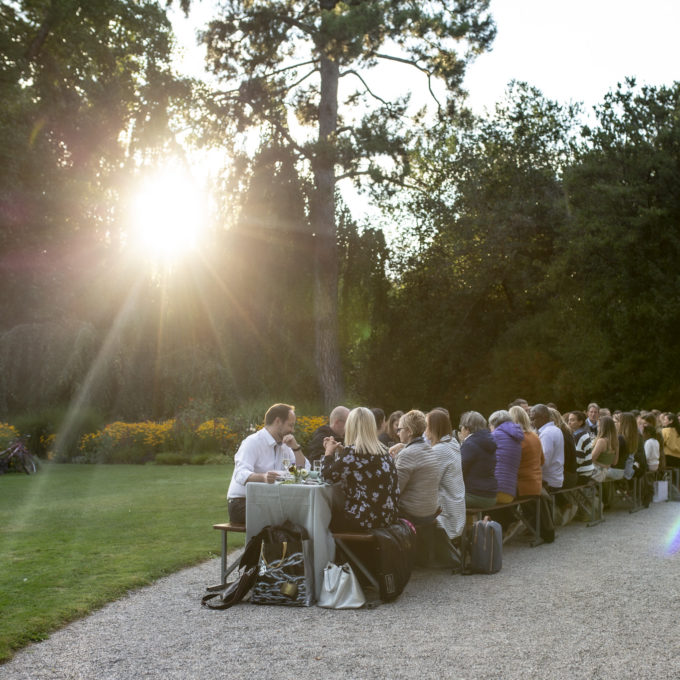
303,504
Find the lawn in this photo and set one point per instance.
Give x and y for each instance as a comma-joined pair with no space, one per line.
74,537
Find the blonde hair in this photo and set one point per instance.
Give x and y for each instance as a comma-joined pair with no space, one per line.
361,431
414,421
521,417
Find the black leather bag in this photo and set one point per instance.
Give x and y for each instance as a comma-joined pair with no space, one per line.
232,593
394,558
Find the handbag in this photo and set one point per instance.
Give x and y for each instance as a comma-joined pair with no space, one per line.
660,491
284,575
340,588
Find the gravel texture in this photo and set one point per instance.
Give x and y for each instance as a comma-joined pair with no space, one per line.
599,603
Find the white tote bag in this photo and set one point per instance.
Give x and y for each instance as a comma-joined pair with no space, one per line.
660,491
340,588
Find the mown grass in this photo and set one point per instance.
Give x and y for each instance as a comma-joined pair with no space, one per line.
74,537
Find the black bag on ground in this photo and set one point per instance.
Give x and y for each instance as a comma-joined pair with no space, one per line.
285,574
394,557
232,593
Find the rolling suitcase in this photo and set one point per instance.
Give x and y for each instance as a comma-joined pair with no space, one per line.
486,549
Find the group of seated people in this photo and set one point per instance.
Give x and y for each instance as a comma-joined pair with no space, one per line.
416,466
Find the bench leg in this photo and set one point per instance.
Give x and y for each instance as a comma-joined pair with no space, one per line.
224,570
673,477
535,530
592,505
637,495
357,562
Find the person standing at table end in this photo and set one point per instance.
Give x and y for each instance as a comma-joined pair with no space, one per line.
335,429
260,457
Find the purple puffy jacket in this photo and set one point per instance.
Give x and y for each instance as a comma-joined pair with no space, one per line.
508,438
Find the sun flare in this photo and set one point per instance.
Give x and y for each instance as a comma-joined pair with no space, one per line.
168,216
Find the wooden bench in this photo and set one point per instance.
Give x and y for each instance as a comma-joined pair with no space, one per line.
226,529
586,496
342,539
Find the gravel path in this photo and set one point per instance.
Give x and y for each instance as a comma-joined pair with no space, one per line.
599,603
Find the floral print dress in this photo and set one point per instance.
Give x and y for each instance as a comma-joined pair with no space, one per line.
370,484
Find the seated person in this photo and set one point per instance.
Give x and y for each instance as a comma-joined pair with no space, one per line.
381,424
671,439
530,474
391,428
585,468
366,474
570,478
508,436
418,470
451,520
478,459
451,485
335,429
606,450
552,442
652,448
260,457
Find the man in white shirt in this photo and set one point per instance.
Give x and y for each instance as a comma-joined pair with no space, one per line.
552,442
260,457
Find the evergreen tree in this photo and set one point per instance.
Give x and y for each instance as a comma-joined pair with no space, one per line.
288,56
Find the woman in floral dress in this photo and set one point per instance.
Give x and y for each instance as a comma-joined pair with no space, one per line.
366,474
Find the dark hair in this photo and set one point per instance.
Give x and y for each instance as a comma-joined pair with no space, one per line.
392,423
580,416
279,411
649,431
518,402
674,421
439,423
542,411
649,419
379,416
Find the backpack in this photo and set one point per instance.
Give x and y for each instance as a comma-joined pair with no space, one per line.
393,558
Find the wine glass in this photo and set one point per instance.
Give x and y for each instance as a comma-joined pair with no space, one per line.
285,461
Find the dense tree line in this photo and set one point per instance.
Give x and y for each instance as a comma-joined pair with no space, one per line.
534,256
545,258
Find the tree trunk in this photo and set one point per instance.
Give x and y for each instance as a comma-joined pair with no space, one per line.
326,257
